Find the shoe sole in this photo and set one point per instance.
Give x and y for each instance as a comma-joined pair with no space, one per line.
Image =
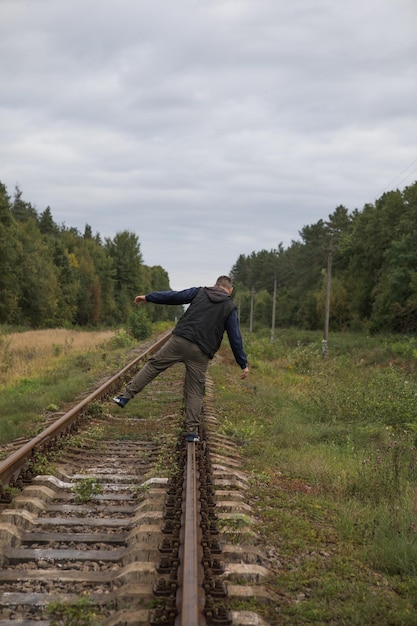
119,404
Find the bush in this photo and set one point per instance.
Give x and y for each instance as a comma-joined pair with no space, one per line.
139,325
121,339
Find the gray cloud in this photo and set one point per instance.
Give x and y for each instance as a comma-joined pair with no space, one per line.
208,129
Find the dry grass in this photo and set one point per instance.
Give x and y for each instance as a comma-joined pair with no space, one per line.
22,354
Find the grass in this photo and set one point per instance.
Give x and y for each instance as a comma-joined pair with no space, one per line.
81,612
42,371
330,445
23,353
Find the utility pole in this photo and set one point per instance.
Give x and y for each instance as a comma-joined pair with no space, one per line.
252,293
273,310
327,305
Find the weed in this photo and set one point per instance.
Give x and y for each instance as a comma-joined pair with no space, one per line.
85,489
239,433
387,473
121,339
90,438
78,613
95,409
303,359
83,362
57,349
7,355
41,464
260,477
11,492
235,526
141,491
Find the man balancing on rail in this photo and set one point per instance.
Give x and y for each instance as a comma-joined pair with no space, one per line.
194,341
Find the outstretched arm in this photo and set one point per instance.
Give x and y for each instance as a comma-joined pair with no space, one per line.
168,297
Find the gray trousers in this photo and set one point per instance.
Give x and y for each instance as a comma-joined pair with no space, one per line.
177,350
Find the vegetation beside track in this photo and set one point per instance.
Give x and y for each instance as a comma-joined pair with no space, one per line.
43,371
330,446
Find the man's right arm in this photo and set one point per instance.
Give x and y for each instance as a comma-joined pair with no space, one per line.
169,297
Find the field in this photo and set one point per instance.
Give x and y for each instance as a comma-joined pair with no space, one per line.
41,371
329,445
25,353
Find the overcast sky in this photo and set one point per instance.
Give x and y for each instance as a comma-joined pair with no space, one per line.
209,128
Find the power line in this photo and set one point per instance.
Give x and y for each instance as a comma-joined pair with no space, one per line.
407,175
401,173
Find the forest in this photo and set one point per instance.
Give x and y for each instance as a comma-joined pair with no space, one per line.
53,275
367,257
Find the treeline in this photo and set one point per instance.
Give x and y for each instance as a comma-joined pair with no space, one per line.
367,257
52,275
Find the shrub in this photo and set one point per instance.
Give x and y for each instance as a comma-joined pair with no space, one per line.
121,339
139,325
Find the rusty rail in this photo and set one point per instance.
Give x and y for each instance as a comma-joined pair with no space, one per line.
190,598
190,569
11,467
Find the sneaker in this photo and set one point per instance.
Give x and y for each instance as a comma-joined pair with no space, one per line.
192,438
121,401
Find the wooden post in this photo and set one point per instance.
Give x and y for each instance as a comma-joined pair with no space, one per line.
274,310
252,293
327,305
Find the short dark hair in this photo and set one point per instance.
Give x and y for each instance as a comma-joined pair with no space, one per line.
224,281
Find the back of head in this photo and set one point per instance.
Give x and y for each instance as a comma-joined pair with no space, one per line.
224,282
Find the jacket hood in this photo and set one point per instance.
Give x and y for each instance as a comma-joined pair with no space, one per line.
215,294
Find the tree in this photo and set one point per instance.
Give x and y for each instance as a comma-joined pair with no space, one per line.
6,217
125,252
395,294
339,222
47,225
240,271
9,249
37,278
263,307
67,271
157,279
364,249
22,211
91,278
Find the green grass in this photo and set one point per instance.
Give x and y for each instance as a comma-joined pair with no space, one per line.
330,446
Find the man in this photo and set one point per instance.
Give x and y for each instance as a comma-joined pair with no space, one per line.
194,341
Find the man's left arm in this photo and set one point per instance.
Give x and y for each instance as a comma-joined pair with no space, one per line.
236,342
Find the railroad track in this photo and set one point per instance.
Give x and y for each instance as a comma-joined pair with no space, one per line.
127,531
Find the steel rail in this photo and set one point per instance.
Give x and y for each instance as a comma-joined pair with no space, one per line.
190,597
11,467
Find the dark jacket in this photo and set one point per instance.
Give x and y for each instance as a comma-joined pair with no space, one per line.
211,312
